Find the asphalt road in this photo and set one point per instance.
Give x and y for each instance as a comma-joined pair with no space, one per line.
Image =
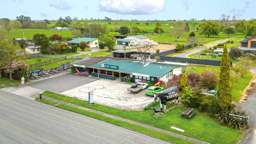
23,121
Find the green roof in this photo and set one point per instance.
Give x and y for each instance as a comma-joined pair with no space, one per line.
135,67
79,40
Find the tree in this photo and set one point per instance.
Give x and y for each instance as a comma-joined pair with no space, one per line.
56,37
187,27
224,91
158,29
42,41
108,40
210,28
24,20
8,25
83,45
184,81
8,55
194,79
59,48
192,39
64,22
23,44
124,30
93,30
136,30
208,80
229,30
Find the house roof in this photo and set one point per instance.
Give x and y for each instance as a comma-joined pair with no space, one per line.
79,40
124,40
141,37
135,67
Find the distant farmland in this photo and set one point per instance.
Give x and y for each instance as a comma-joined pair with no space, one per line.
29,33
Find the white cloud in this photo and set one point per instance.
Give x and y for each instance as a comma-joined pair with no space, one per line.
135,7
61,5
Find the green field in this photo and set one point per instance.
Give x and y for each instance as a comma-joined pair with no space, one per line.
236,43
29,33
201,127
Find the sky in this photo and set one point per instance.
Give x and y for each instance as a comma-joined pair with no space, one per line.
128,9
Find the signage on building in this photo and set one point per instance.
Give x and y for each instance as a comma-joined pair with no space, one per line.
108,66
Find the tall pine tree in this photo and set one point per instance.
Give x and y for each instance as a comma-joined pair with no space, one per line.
224,92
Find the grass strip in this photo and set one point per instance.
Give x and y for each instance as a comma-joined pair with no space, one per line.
137,128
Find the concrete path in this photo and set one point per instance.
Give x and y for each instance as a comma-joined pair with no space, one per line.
176,135
23,121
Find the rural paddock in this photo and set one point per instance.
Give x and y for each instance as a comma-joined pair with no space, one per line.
111,93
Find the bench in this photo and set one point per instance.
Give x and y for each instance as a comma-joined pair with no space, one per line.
189,113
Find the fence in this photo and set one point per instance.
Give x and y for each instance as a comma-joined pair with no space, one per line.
191,61
168,52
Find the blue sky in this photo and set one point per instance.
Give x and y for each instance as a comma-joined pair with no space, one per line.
128,9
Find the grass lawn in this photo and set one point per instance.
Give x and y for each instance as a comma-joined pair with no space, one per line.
208,57
103,53
54,62
239,86
200,69
29,33
202,126
51,61
201,39
4,82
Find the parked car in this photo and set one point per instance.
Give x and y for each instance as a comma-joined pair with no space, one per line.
154,90
143,85
138,87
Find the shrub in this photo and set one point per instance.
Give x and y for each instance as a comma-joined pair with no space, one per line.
235,53
158,29
124,30
209,104
208,80
190,97
180,47
56,37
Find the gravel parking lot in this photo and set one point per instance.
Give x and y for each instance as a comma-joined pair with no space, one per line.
111,93
62,83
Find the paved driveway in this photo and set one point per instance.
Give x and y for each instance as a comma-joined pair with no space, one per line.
62,83
23,121
250,107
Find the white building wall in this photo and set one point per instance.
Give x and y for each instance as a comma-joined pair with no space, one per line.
94,44
177,71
